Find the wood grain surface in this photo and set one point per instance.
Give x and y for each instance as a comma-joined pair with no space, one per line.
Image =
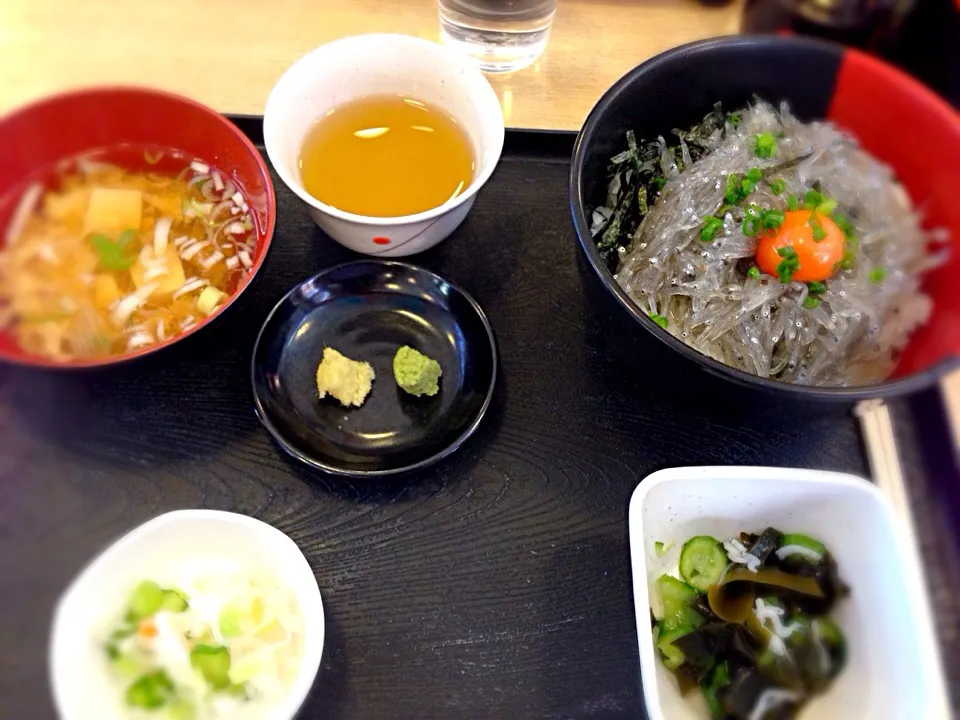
229,53
495,585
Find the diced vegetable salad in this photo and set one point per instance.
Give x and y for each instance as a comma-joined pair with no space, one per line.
747,622
206,647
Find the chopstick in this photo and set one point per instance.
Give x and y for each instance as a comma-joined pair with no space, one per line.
876,425
881,446
950,392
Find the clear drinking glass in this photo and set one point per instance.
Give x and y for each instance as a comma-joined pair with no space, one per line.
502,35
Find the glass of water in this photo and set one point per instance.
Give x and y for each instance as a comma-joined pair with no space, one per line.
502,35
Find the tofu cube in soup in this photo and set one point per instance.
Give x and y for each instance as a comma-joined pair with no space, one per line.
166,271
113,210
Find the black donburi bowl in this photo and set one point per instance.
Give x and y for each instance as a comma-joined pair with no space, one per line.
893,116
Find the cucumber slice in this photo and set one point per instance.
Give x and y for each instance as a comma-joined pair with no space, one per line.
127,666
804,541
702,562
719,679
173,601
180,709
670,654
677,598
150,691
213,663
834,641
146,599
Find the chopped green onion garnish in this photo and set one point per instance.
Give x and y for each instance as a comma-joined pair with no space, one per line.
827,206
114,255
846,227
660,320
810,302
852,241
812,199
753,272
659,182
229,622
750,180
765,145
817,227
734,118
738,188
877,275
753,222
789,265
792,202
772,219
732,192
663,547
778,186
816,288
711,226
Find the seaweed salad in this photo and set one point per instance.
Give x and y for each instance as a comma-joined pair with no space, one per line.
747,623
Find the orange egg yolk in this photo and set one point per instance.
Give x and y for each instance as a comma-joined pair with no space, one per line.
818,260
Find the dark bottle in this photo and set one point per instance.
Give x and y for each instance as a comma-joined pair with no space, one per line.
921,36
928,46
868,24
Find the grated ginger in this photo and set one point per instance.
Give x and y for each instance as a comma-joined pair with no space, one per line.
349,381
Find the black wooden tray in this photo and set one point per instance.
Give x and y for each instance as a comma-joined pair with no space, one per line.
494,585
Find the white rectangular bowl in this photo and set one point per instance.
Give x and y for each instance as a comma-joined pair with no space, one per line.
893,670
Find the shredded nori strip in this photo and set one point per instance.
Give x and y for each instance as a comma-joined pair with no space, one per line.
641,180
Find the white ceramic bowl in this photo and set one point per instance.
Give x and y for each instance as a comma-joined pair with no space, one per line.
82,687
892,671
366,65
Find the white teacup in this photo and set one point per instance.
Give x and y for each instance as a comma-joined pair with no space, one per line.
366,65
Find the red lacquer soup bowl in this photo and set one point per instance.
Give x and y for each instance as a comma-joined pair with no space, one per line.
115,124
893,116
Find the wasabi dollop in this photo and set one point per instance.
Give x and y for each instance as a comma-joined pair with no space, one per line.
416,373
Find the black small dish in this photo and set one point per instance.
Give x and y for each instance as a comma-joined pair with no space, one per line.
367,310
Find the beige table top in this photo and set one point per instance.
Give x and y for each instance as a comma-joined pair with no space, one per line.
229,53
